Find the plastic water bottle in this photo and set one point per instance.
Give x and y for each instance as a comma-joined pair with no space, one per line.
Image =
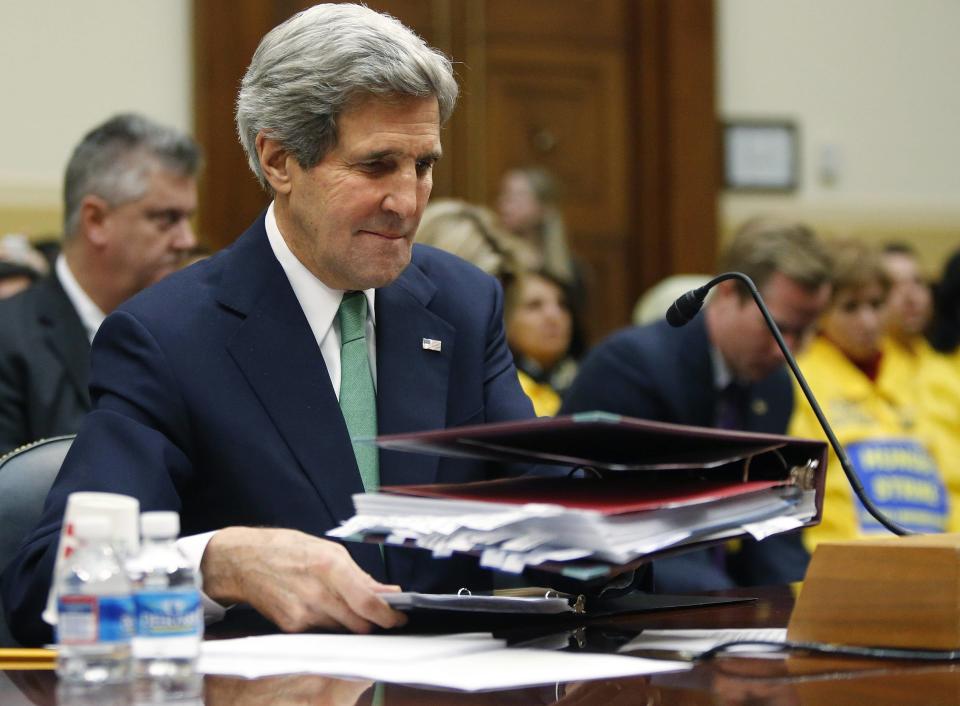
166,591
94,609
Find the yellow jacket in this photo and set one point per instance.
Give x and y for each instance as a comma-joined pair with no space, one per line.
881,439
899,373
546,402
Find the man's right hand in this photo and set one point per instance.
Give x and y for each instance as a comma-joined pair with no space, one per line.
296,580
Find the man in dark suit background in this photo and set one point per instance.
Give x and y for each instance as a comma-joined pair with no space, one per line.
129,191
723,369
230,391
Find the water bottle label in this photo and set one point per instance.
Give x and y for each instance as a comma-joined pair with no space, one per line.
116,618
86,620
169,613
77,618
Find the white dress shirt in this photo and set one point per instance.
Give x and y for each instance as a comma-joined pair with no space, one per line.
320,304
90,315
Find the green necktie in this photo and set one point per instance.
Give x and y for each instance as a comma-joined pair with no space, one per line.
358,400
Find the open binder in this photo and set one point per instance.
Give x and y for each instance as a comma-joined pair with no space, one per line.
644,490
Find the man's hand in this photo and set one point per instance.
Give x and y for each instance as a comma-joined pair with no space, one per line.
296,580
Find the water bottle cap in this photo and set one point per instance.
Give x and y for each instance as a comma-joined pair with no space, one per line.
159,525
92,527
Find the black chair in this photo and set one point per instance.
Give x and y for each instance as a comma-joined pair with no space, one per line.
26,475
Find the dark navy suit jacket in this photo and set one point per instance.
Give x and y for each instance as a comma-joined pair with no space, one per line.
44,356
211,398
666,374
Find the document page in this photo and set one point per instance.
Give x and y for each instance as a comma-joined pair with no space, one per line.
688,644
469,662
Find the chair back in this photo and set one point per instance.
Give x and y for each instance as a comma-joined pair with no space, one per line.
26,475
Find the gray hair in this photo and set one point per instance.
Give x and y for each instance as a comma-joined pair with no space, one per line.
115,159
306,71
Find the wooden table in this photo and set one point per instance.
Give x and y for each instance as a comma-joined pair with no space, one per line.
795,681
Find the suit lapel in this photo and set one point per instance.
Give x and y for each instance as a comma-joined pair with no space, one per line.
412,381
697,395
412,388
64,334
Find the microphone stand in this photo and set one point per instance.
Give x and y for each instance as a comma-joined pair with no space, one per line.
687,306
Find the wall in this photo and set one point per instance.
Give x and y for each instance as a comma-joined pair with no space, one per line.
68,66
873,78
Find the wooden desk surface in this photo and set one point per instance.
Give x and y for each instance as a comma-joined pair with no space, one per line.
797,681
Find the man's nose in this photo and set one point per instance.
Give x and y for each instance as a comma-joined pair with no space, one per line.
402,197
186,239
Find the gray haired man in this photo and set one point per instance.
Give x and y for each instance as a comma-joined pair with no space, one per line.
235,391
129,191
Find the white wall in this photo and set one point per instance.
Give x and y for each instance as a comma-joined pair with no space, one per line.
875,78
68,65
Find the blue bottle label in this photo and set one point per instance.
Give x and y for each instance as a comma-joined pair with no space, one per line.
175,613
116,618
86,620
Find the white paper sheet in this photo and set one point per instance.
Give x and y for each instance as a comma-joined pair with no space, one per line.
471,663
693,642
326,648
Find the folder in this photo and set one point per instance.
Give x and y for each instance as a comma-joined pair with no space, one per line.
642,490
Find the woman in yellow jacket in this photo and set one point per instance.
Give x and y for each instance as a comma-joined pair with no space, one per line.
845,366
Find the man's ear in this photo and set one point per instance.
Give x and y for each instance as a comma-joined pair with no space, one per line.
94,212
275,162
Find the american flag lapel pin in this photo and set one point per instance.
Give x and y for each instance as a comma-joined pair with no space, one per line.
430,344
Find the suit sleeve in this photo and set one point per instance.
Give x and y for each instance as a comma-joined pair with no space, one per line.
132,443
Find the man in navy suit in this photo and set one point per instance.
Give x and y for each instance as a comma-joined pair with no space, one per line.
723,369
216,392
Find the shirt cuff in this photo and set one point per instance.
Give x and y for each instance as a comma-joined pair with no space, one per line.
193,548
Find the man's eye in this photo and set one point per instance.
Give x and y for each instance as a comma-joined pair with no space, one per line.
425,166
166,219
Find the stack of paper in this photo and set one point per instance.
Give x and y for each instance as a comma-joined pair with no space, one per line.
523,522
471,662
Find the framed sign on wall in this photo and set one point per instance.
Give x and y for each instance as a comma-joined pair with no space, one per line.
760,155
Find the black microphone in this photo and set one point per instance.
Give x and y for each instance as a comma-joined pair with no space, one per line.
687,306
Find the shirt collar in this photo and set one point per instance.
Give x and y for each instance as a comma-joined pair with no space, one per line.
318,301
722,375
90,314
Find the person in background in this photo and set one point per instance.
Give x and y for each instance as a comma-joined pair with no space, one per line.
723,369
910,302
938,383
471,232
908,311
21,264
844,365
528,205
129,192
540,332
15,277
